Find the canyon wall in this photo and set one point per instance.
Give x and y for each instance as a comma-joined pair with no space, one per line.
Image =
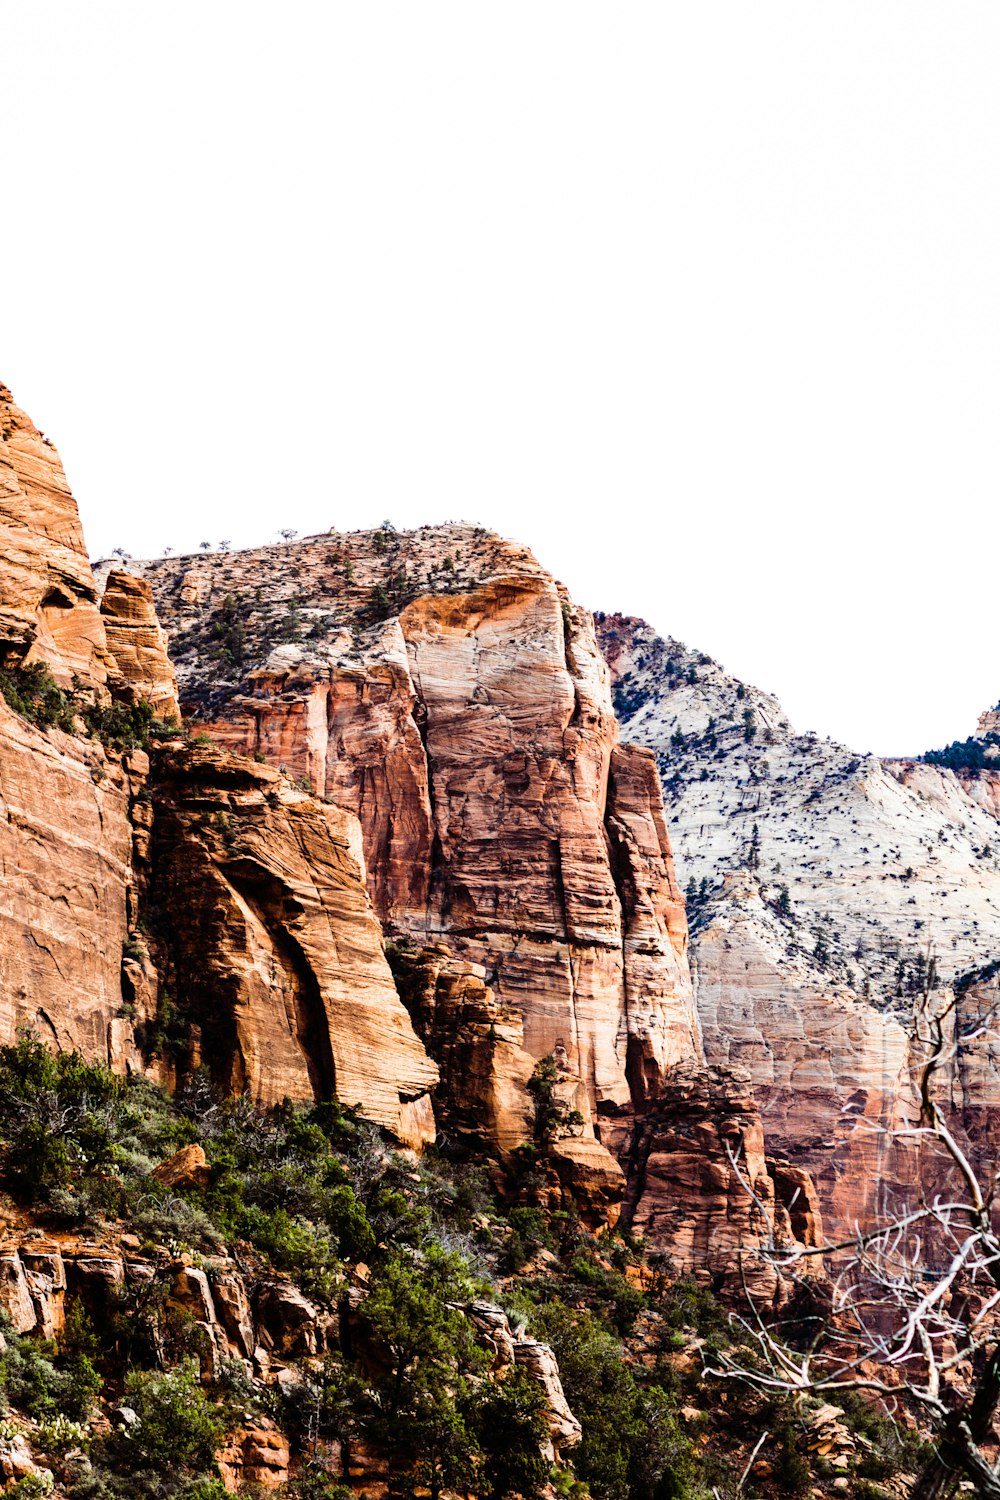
441,686
828,892
427,715
48,598
159,911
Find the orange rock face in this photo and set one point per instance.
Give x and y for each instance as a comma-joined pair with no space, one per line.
65,848
48,599
444,689
137,643
702,1187
274,946
272,951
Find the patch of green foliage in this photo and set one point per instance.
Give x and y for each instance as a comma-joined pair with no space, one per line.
318,1193
32,692
965,755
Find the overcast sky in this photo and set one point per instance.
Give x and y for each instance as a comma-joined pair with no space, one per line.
702,301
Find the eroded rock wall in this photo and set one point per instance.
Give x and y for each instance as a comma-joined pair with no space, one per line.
138,644
443,687
272,946
66,853
48,598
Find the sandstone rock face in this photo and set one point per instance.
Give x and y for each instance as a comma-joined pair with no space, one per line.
444,689
274,946
831,1074
820,886
48,599
700,1184
138,644
478,1045
66,850
989,721
187,1168
539,1362
655,922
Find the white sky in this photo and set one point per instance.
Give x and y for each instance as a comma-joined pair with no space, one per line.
702,301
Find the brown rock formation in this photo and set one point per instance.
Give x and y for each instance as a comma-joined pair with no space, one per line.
702,1188
273,944
477,1044
137,643
48,599
187,1168
471,730
66,850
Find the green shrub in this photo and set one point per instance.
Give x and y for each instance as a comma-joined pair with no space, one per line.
32,692
178,1430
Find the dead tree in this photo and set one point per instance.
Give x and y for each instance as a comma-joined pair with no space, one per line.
913,1301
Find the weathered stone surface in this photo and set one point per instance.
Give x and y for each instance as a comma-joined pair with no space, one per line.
256,1456
48,599
445,689
289,1325
663,1028
831,1073
37,1276
539,1362
477,1043
138,644
823,883
15,1297
45,1274
275,945
699,1185
65,850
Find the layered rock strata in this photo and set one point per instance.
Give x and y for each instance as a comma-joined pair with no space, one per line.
66,896
48,598
138,644
441,686
827,891
703,1190
253,895
272,946
489,1096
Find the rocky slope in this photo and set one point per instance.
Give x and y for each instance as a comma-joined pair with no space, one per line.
828,891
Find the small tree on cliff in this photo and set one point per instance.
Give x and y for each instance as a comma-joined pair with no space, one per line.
913,1304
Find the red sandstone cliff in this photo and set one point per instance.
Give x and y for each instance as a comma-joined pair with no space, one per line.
441,686
48,598
249,894
450,703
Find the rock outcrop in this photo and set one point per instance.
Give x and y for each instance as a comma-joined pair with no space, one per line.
826,890
703,1190
66,896
253,894
48,598
138,644
440,685
272,943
